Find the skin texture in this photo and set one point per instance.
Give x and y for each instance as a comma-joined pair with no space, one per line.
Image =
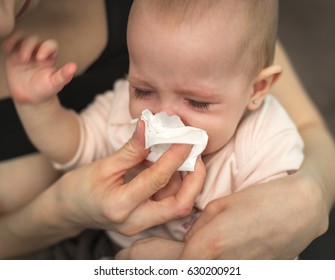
95,196
48,19
9,12
305,198
81,192
169,75
234,232
166,75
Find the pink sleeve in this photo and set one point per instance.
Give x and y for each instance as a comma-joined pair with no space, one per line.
267,147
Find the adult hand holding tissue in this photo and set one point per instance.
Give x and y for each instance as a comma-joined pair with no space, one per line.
161,131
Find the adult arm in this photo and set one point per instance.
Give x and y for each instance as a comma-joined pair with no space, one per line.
276,220
152,248
319,143
95,196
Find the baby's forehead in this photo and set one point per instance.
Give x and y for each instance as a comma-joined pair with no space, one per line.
174,13
186,10
250,24
225,19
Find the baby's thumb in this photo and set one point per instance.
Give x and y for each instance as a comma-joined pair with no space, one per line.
63,76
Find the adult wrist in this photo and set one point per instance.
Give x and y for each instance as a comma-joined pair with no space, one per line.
63,210
315,196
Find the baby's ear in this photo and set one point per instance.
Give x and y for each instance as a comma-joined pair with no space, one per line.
262,84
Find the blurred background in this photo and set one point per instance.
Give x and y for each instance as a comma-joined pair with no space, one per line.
307,31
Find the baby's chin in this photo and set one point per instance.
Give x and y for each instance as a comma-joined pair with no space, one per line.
210,149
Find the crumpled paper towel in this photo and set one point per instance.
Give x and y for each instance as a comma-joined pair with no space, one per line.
161,131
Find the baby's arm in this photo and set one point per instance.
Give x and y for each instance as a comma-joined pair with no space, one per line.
34,81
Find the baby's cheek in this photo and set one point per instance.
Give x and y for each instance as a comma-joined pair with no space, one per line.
215,143
134,110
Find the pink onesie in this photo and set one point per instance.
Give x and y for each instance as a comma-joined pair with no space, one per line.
265,146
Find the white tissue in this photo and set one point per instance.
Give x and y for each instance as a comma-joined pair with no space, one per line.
161,131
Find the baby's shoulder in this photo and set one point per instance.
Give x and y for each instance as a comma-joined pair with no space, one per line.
264,129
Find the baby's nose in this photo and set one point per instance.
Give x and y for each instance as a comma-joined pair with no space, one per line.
168,109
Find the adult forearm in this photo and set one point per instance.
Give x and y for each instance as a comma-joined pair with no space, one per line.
320,160
41,223
319,144
54,130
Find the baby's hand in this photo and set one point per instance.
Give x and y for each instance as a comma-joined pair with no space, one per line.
31,69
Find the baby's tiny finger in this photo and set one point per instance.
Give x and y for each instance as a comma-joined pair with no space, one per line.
13,41
29,47
47,49
64,75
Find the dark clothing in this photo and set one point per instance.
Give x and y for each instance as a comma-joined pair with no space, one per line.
89,245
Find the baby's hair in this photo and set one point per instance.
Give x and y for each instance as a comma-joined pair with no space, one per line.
263,31
259,18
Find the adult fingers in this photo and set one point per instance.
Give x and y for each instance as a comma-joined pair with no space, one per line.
180,204
171,188
167,209
144,185
131,154
152,248
154,178
125,254
200,247
211,210
137,193
192,185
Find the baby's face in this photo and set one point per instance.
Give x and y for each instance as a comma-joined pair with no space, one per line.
185,71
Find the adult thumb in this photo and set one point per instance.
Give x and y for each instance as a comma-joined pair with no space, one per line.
133,152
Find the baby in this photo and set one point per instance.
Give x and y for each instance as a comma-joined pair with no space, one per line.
208,62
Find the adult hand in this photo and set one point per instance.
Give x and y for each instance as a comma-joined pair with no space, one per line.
152,248
96,195
266,221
